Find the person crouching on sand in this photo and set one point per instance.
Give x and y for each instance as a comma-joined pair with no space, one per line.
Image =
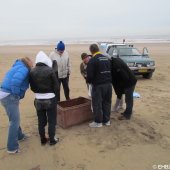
44,84
13,88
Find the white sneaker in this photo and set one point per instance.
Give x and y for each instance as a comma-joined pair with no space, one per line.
14,152
95,125
107,123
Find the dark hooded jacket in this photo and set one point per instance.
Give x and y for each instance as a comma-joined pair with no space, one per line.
122,76
43,78
98,70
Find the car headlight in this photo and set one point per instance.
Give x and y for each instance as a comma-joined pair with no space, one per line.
152,63
131,64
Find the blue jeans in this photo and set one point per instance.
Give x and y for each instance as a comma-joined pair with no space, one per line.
11,105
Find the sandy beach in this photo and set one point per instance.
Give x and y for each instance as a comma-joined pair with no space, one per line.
137,144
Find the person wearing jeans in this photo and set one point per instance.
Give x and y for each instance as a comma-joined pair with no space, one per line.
44,84
46,112
11,105
13,88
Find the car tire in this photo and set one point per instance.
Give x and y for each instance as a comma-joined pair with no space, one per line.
147,76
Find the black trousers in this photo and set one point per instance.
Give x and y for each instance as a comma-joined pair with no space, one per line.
65,83
46,112
129,101
101,102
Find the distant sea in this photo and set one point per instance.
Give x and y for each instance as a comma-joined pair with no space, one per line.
115,39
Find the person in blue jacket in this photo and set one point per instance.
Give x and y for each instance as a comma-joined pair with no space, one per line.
13,88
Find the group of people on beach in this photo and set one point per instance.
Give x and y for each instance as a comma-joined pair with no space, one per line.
99,71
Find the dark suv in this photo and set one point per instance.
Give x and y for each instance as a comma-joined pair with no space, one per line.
140,64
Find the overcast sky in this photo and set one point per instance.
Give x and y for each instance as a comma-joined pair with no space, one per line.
46,19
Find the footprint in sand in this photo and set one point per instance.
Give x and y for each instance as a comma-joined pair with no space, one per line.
148,135
80,167
165,143
36,168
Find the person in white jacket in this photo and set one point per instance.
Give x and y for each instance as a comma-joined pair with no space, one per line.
62,58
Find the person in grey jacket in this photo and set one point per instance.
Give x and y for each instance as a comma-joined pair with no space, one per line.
63,63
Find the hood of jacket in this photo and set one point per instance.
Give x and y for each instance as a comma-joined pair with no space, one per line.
43,58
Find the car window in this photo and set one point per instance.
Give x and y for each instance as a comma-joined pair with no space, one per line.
129,52
110,52
113,52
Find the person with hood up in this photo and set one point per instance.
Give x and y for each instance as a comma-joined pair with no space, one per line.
44,84
13,88
60,55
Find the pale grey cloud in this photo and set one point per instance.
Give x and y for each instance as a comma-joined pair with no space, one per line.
35,19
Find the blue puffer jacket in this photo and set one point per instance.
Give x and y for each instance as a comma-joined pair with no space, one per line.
16,80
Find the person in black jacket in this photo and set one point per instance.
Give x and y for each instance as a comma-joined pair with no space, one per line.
123,81
99,75
44,84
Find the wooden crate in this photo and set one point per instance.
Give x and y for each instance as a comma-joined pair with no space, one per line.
73,112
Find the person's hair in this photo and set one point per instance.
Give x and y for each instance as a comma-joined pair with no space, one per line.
27,61
94,48
84,55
